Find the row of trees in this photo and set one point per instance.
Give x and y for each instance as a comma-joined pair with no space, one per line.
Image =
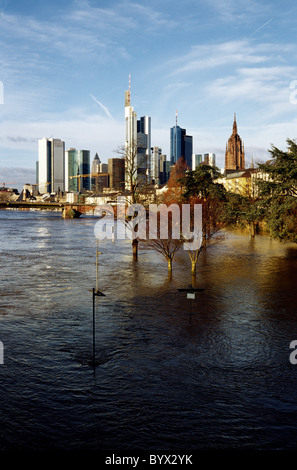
272,203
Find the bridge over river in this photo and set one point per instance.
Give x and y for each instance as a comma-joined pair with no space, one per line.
68,210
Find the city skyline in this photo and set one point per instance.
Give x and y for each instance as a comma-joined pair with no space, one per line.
64,69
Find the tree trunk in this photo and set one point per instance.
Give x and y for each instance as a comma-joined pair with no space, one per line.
135,249
253,229
193,270
169,265
204,239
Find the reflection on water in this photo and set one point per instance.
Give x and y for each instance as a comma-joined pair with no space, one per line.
219,378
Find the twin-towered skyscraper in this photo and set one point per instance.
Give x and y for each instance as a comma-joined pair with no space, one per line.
50,172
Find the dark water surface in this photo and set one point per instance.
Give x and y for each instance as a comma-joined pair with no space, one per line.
219,379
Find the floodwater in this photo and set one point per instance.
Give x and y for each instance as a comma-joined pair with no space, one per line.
213,374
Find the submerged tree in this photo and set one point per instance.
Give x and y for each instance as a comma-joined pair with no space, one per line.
201,188
167,248
194,255
164,231
278,192
138,191
242,211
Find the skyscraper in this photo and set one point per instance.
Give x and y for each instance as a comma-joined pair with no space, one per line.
130,120
144,147
137,142
164,169
77,166
51,165
95,170
116,171
130,136
234,155
210,159
181,145
196,160
155,165
187,149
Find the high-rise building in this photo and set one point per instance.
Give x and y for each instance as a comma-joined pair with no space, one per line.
205,159
181,145
176,134
51,165
103,167
137,143
116,172
155,165
234,155
144,147
37,174
164,169
196,160
95,168
130,136
210,159
77,170
187,150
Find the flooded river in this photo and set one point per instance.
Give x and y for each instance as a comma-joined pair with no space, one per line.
218,378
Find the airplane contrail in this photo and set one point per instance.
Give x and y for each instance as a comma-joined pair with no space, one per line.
263,25
105,109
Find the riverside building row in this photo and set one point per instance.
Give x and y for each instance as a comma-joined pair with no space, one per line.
71,170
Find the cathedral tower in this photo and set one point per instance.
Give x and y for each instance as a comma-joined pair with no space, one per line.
234,156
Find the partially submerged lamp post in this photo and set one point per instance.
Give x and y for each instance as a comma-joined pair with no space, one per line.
97,293
190,291
191,296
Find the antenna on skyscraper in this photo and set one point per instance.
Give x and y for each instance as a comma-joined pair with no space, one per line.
176,118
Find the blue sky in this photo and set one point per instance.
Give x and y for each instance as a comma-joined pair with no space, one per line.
65,66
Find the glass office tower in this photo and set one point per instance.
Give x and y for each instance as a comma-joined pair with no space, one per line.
77,170
181,145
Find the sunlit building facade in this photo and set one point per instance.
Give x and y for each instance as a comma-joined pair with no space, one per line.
51,165
234,155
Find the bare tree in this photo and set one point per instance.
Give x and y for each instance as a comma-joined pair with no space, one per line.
164,229
136,184
167,247
136,166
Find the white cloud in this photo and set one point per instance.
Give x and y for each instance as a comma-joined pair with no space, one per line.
92,132
227,54
239,11
266,89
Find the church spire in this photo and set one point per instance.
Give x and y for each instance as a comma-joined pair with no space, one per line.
234,155
234,125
